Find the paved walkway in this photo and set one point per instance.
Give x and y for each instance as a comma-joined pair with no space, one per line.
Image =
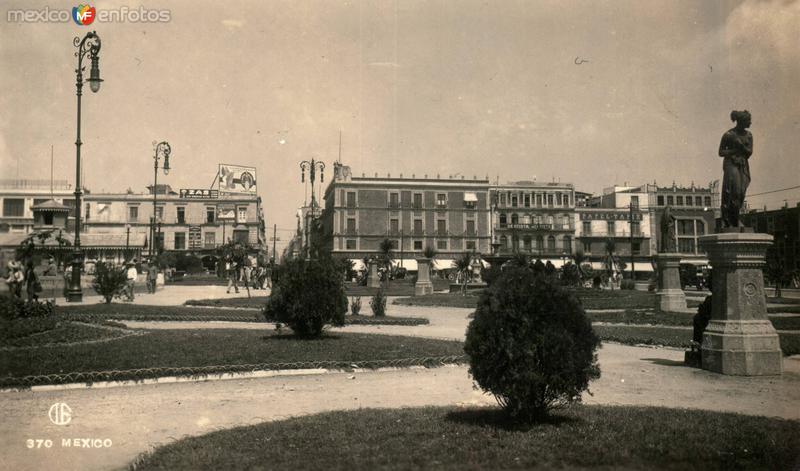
137,418
173,295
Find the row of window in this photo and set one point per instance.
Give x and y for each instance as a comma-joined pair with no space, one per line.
538,243
417,228
528,200
15,207
211,214
611,228
209,240
417,245
563,222
470,200
684,200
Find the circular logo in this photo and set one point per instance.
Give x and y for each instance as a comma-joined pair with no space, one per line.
83,14
750,289
60,413
248,180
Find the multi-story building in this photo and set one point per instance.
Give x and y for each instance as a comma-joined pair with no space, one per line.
695,210
449,214
533,218
189,220
18,196
784,225
621,215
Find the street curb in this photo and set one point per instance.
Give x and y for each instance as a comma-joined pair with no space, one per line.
215,377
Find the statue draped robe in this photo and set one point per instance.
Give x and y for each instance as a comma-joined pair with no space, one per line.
736,148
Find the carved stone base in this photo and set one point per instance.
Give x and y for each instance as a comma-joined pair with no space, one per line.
739,339
670,292
374,278
422,288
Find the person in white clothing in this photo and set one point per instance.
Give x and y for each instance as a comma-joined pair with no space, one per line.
132,275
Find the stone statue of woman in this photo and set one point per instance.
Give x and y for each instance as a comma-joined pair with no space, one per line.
736,147
668,231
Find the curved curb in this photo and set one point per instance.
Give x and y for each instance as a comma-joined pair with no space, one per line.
95,379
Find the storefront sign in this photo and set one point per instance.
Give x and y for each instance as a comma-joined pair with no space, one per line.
195,237
199,193
610,216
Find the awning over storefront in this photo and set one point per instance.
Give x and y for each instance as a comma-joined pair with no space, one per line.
443,264
358,264
408,263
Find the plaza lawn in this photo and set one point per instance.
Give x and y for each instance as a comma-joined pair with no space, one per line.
224,312
592,299
66,332
255,302
676,319
673,336
582,437
188,348
136,312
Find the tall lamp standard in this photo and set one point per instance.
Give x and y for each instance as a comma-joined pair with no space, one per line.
89,47
161,149
312,168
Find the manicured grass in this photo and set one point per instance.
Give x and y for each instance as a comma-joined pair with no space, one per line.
581,437
675,319
674,336
255,302
208,347
64,332
441,300
135,312
592,299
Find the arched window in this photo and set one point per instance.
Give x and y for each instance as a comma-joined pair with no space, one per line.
526,219
515,242
567,244
503,241
551,243
527,242
550,220
539,242
514,218
503,219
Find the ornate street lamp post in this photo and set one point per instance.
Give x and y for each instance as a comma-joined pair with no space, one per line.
161,149
89,47
312,168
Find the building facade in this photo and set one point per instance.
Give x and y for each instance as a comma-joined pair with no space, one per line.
19,196
191,220
784,225
533,218
450,215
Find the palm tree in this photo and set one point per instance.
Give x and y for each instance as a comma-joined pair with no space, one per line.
385,250
579,258
463,266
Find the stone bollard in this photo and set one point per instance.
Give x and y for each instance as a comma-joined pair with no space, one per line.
670,292
739,339
424,285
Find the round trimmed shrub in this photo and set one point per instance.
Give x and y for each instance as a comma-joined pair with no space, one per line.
308,295
531,344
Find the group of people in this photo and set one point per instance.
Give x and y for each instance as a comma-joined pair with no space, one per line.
21,275
132,274
247,272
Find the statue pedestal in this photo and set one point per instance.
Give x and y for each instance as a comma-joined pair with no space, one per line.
374,279
424,285
739,339
670,292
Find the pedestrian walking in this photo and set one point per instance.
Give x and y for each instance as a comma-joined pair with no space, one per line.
232,270
152,277
131,284
14,279
32,285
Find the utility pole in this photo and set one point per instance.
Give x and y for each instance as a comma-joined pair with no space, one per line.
633,272
274,240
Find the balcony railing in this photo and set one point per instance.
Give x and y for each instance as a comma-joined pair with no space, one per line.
394,205
441,204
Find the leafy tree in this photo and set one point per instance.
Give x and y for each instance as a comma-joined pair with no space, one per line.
776,272
429,252
109,281
570,275
531,344
386,254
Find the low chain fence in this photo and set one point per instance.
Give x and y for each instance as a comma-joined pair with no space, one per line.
141,374
349,320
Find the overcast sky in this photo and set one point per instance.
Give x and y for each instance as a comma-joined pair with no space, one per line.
450,87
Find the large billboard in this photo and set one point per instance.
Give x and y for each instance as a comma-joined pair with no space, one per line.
237,179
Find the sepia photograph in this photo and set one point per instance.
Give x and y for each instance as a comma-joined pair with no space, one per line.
399,235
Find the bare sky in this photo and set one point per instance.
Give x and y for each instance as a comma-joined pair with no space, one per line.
449,86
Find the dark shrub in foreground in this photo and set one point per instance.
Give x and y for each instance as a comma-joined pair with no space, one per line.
378,303
531,344
308,295
628,284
